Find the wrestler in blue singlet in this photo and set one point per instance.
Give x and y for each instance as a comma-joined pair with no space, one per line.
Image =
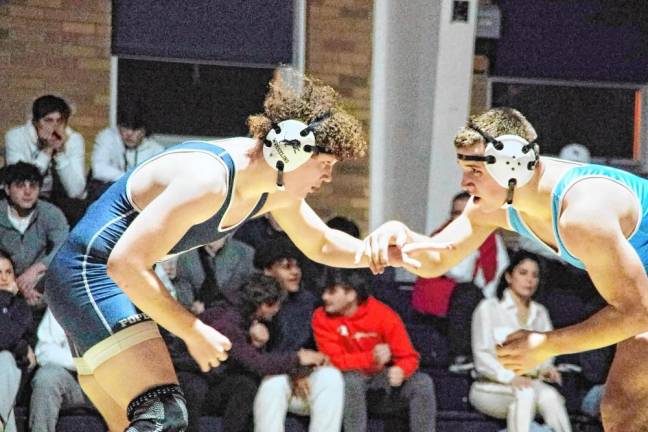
87,303
636,185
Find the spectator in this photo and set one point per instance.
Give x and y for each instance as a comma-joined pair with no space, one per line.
215,272
31,229
368,342
457,293
119,149
498,392
57,151
316,392
575,152
15,352
345,225
230,389
55,384
260,230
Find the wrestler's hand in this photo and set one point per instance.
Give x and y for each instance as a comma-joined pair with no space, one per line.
388,244
376,247
207,346
523,351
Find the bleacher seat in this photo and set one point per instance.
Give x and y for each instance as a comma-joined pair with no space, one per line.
451,390
431,345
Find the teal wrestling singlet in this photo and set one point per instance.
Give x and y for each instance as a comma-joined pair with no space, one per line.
636,185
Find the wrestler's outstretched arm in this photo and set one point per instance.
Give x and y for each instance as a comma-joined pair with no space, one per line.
188,199
617,272
436,254
321,243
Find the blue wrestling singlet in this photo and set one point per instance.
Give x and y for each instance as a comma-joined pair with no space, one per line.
636,185
86,302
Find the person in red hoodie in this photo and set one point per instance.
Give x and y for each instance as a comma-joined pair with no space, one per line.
367,341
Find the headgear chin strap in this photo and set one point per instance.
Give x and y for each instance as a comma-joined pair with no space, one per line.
290,144
510,160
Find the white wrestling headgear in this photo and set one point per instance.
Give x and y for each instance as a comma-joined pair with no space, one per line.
290,144
510,159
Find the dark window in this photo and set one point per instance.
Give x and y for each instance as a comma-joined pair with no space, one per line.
603,119
186,99
200,67
239,31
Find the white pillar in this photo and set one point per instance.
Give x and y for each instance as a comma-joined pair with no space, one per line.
421,81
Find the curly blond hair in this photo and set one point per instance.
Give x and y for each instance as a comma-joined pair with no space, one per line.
340,134
495,122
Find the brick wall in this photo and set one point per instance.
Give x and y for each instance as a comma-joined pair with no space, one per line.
338,51
60,47
479,93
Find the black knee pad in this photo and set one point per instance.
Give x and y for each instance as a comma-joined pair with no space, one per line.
158,409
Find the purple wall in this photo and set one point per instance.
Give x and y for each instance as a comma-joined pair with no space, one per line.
593,40
243,31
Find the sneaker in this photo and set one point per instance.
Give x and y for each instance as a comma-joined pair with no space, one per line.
461,365
568,368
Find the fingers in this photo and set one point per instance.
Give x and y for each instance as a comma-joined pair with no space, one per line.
408,260
366,250
517,335
509,358
428,246
401,238
375,257
224,344
383,248
214,362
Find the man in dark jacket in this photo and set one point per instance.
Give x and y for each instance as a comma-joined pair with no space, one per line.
317,392
230,389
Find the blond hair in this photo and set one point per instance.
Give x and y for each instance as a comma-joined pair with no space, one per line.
495,122
340,134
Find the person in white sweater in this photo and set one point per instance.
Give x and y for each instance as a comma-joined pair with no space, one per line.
121,148
55,385
498,391
48,142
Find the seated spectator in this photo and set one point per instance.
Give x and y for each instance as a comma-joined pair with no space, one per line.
15,352
31,229
368,342
55,385
260,230
56,150
498,392
316,392
215,272
456,294
117,150
344,224
229,390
